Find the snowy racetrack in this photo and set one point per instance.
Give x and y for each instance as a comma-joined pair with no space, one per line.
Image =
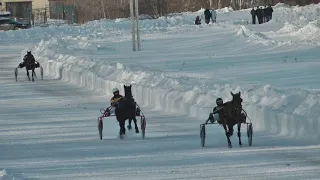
48,129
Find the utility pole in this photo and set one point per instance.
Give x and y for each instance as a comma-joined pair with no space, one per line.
134,12
133,26
138,25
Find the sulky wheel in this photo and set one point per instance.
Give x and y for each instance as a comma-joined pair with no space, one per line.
203,134
16,73
143,126
249,133
100,127
41,72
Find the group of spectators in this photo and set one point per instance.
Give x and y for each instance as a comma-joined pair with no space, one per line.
207,16
263,14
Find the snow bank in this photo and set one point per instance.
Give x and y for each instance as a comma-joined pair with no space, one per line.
300,25
255,36
4,175
225,10
288,112
288,28
293,113
298,15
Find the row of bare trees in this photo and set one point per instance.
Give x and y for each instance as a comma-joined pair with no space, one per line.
88,10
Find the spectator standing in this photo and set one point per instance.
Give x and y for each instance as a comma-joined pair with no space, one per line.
207,16
269,11
253,14
265,14
259,14
214,16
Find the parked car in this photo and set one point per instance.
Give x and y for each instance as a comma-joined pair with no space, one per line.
7,23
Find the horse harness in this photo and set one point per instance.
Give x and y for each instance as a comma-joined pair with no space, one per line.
115,100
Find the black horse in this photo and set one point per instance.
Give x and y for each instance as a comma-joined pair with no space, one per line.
29,63
231,115
126,110
128,96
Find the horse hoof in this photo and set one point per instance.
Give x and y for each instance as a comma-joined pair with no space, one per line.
137,131
229,145
129,127
240,145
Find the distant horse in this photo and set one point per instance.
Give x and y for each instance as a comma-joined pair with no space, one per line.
231,115
30,64
126,110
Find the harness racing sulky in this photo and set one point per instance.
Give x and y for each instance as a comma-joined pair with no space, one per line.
29,63
125,108
228,114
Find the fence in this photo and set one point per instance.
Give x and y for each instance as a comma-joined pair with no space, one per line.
64,12
56,15
39,17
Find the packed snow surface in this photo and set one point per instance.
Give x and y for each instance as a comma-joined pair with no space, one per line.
48,128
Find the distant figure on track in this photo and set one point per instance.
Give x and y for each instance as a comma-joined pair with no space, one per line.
30,63
253,14
214,16
197,21
207,16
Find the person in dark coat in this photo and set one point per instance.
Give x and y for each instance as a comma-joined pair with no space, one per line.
214,116
207,16
269,11
197,21
265,14
259,14
28,58
253,14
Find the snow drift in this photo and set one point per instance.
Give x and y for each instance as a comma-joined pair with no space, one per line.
291,113
5,176
288,112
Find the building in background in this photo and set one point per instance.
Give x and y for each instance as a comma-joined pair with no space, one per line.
18,8
64,10
40,4
40,12
33,11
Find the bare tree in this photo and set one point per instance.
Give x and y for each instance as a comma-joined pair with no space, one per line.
88,10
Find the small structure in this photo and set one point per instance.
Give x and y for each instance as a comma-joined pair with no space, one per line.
18,8
40,4
60,9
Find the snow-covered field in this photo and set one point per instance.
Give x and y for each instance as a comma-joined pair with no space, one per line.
48,128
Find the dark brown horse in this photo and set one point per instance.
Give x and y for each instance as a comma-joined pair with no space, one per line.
126,110
231,115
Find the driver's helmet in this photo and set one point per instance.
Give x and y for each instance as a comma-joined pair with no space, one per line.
29,52
115,91
219,101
